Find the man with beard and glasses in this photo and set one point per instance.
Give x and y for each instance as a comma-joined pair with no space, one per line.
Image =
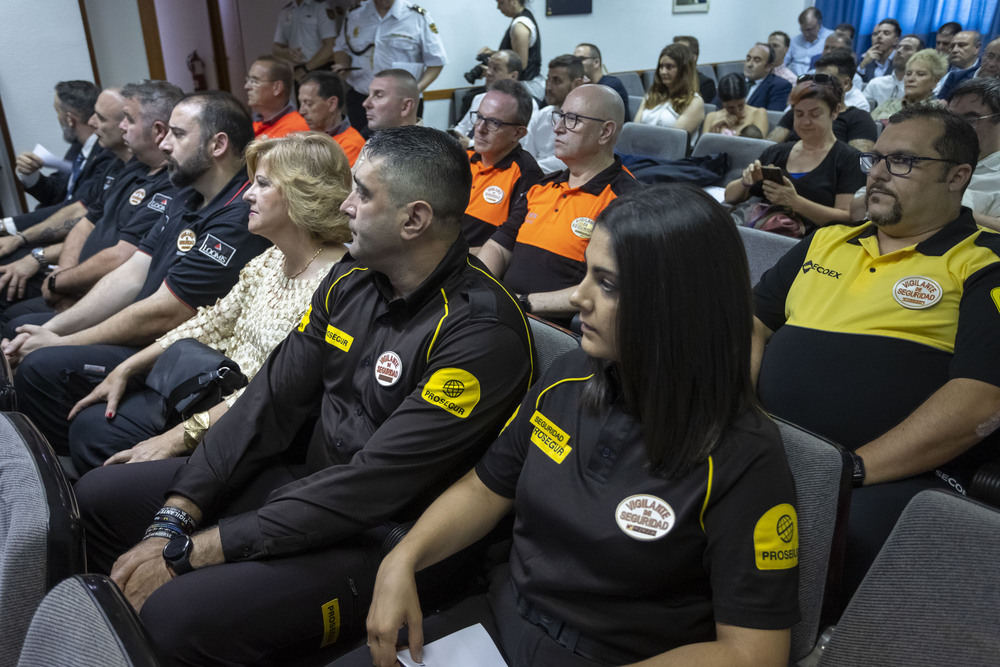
881,335
190,257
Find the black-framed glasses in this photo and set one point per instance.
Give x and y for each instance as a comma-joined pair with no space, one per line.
817,77
974,120
898,164
492,124
571,119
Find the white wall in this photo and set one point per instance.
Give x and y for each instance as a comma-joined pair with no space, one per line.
184,28
118,46
41,43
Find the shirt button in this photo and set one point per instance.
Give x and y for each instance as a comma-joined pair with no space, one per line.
339,442
358,411
871,270
367,361
606,452
468,283
246,551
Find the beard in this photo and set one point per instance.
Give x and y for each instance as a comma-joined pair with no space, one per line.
68,135
884,219
183,175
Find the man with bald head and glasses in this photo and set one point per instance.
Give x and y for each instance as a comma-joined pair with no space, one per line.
881,335
541,259
502,171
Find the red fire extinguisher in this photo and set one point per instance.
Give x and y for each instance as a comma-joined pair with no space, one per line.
197,67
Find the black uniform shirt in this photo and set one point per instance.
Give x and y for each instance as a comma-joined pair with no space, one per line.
135,201
199,252
643,563
410,391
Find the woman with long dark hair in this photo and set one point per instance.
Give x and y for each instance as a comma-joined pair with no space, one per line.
735,115
673,99
654,506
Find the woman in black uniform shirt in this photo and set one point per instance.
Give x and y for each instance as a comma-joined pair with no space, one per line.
655,514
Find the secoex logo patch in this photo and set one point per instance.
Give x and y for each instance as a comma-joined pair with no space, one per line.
549,438
776,539
217,250
158,202
822,270
453,390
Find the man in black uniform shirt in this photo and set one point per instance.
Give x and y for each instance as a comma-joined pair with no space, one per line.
112,226
190,258
412,355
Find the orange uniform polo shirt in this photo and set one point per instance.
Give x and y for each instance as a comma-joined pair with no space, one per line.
494,189
286,123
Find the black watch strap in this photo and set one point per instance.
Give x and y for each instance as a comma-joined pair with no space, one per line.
525,303
177,554
858,472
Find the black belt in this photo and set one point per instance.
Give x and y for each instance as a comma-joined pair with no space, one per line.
568,636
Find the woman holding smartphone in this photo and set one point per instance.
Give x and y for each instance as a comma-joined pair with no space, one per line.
819,173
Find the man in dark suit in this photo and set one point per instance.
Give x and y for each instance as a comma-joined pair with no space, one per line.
764,89
74,105
963,59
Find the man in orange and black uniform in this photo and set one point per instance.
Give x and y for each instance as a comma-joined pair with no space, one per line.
502,171
269,86
541,258
321,103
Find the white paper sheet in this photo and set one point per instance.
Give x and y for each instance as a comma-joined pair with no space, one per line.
49,159
471,646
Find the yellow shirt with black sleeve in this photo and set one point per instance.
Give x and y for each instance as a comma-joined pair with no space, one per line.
638,563
409,393
862,338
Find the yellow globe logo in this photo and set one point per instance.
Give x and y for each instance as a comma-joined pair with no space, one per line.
786,528
453,388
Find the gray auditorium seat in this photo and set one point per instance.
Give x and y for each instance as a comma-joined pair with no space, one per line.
709,71
86,622
763,249
551,342
41,538
722,69
822,474
773,118
631,81
741,151
931,596
665,143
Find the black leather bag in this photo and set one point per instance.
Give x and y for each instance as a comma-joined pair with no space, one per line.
191,377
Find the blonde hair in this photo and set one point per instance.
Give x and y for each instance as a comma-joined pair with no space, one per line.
313,175
936,62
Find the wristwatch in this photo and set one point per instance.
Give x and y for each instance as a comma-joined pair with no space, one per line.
52,282
177,554
39,255
858,472
522,299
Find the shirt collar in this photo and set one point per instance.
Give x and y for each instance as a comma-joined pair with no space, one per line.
503,163
452,262
940,243
340,129
227,196
88,146
595,185
259,118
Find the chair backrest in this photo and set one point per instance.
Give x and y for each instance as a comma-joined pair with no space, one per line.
773,118
551,342
457,95
665,143
647,77
85,621
634,101
41,537
930,597
709,108
822,474
632,82
8,398
741,151
708,71
728,67
763,250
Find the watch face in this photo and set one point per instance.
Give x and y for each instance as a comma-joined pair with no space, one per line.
177,548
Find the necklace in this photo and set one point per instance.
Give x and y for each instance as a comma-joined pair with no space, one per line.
307,264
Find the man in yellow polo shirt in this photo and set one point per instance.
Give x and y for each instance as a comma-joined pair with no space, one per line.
881,335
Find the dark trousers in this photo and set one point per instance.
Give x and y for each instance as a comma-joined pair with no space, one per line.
523,644
246,613
29,311
50,381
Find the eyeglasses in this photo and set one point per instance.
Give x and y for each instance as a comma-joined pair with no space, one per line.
819,77
492,124
254,81
898,164
974,120
571,119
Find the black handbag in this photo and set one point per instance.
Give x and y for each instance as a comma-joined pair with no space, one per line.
191,377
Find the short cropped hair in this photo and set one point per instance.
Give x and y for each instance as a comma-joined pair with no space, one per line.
784,36
684,368
691,41
958,142
157,99
78,97
895,25
950,28
841,58
279,70
406,83
987,89
594,51
936,62
845,26
521,96
514,62
327,83
421,163
573,65
221,112
920,40
313,175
